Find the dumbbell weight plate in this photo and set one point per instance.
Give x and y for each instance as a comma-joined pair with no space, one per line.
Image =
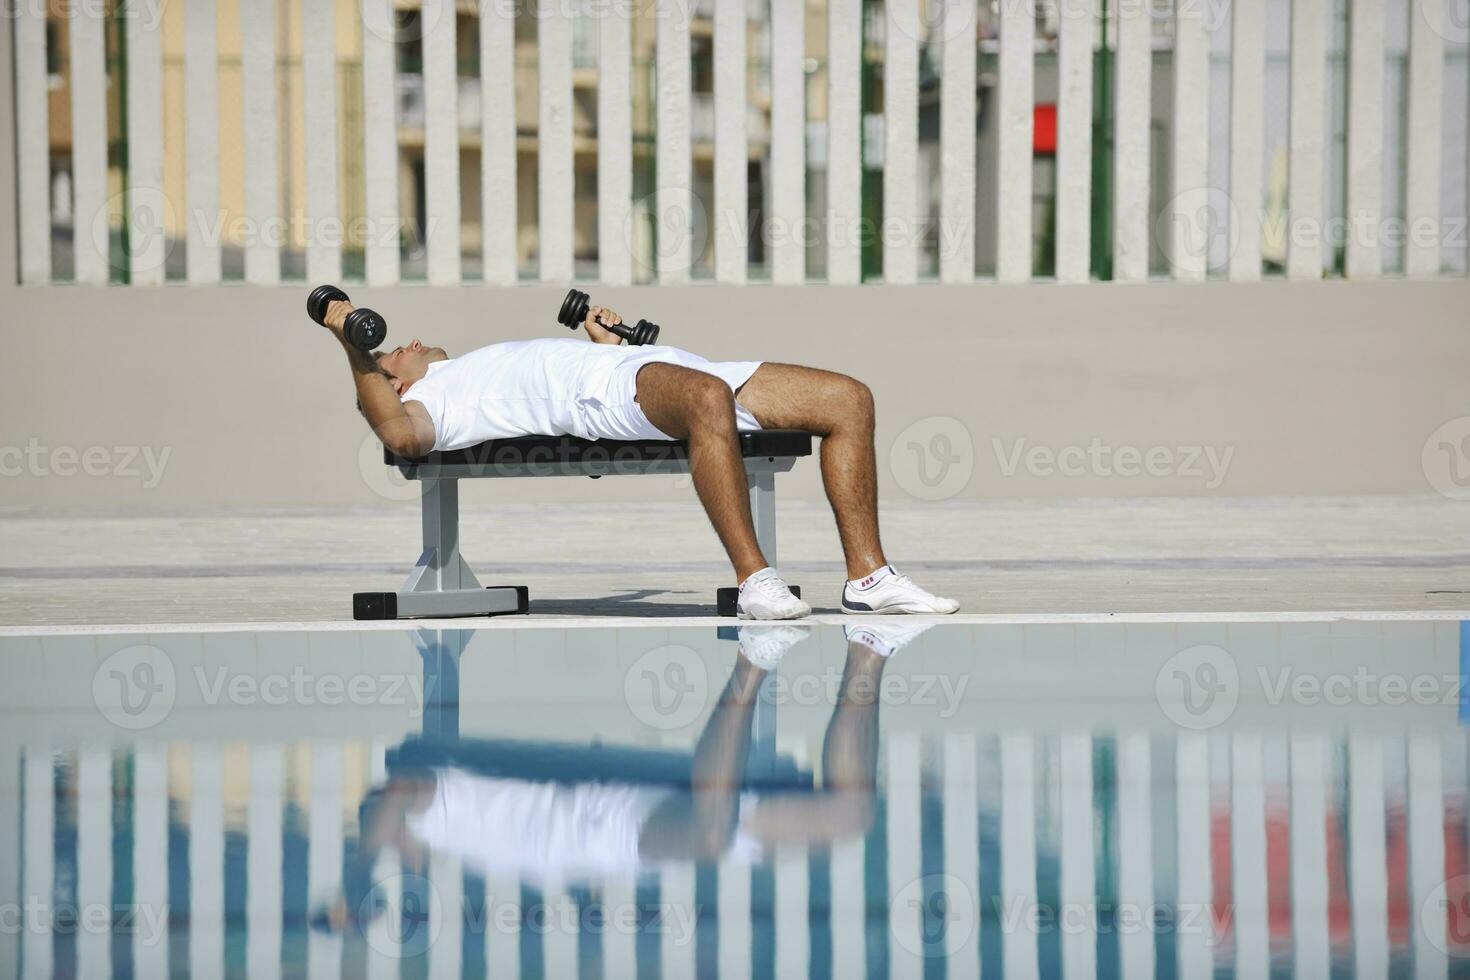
573,309
320,298
365,329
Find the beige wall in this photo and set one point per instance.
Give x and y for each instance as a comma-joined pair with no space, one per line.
1319,388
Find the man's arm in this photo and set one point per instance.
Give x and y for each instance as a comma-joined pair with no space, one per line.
404,427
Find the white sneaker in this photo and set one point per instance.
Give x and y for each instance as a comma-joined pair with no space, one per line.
885,639
764,596
764,646
887,592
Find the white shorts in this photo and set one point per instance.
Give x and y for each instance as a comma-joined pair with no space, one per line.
617,414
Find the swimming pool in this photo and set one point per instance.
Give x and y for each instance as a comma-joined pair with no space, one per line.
1056,799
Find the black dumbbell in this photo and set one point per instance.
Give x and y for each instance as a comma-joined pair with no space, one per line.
574,313
364,329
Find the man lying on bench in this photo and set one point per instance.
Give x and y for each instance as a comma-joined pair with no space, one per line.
418,400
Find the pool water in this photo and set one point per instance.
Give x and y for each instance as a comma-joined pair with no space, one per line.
885,799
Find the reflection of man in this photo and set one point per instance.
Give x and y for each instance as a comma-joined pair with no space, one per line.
546,831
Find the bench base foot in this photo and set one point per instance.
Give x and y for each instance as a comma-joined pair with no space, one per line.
495,600
726,598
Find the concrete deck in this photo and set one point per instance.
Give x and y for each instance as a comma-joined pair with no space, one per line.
1175,555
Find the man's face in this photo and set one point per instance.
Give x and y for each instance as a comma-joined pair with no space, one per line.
409,363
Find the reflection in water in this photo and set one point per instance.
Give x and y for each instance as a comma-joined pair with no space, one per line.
936,849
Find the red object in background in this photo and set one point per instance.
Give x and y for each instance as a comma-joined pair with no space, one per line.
1044,130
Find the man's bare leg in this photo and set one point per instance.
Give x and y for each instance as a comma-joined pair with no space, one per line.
688,404
840,410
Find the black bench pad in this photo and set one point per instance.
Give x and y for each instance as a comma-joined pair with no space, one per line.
573,451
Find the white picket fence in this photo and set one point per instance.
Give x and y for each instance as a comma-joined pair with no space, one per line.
1139,32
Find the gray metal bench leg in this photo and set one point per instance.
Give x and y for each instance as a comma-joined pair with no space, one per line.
441,584
760,481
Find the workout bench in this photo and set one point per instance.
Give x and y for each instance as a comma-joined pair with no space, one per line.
441,584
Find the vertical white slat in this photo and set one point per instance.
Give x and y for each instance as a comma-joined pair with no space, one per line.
1365,139
962,854
676,893
1135,850
145,203
902,224
384,937
150,859
441,143
1426,98
94,858
905,857
786,228
558,944
319,85
1131,173
88,85
1426,852
206,860
10,218
849,908
1016,100
264,872
33,144
1368,855
615,148
1248,855
555,185
498,172
1192,796
446,954
324,841
731,212
38,835
1018,849
262,175
1304,255
1312,949
384,944
844,142
793,918
1078,879
201,141
620,944
1188,242
381,266
1247,134
1074,140
503,938
673,155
